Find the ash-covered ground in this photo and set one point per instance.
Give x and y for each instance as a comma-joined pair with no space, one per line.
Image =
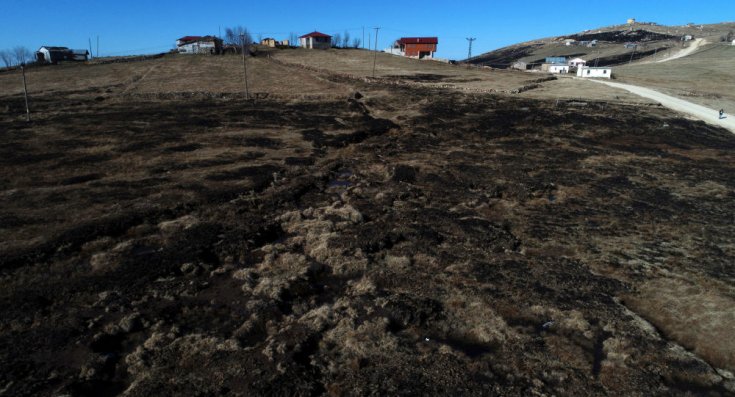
409,242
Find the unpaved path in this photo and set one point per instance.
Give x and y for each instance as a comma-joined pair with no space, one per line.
694,46
705,114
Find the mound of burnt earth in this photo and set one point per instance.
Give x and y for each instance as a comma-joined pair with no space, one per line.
504,57
623,58
624,36
488,246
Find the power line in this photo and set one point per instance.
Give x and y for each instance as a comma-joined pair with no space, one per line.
244,66
375,58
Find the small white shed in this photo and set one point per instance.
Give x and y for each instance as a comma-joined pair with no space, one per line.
577,62
592,72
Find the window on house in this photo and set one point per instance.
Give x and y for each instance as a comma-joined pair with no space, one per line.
604,72
589,71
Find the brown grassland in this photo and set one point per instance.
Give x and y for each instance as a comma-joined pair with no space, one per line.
435,230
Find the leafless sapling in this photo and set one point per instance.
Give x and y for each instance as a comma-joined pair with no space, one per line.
238,37
7,58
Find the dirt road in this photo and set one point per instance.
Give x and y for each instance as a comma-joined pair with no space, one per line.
694,46
699,112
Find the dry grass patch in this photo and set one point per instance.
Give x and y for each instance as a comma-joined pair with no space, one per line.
700,319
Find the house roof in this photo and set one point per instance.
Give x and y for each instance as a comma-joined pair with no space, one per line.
418,40
52,48
578,60
189,38
314,34
79,52
192,39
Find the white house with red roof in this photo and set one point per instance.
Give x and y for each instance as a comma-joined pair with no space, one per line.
316,40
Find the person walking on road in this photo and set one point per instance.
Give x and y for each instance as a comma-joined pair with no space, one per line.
722,114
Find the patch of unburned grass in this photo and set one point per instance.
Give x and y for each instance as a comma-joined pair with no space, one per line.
700,319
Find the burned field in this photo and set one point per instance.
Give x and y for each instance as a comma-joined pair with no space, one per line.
407,242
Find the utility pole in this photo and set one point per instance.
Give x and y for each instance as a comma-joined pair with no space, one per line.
98,46
244,66
25,91
363,37
469,53
375,58
632,54
90,47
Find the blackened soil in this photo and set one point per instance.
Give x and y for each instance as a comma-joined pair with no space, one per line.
474,249
624,36
503,58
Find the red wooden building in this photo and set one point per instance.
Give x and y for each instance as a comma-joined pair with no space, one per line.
418,47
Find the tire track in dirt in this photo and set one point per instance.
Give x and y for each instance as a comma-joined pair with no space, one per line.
136,81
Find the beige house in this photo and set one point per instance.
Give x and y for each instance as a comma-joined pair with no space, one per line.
269,42
316,40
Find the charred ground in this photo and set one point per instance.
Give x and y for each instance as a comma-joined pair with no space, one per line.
412,241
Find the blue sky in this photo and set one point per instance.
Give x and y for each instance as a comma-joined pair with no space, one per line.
135,26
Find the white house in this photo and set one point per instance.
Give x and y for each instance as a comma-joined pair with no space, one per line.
199,45
316,40
592,72
577,62
519,65
556,68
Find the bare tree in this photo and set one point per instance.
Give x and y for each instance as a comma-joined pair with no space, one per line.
293,39
237,36
346,40
336,40
22,55
7,57
356,42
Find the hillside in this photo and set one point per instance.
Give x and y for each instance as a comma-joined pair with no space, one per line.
705,77
654,41
433,230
